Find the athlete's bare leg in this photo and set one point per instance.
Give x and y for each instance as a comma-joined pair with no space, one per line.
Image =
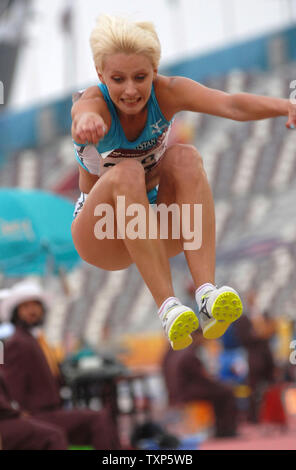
183,181
150,255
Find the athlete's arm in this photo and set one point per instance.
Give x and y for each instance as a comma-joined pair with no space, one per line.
185,94
86,180
89,117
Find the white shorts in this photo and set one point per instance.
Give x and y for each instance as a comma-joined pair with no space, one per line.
79,204
152,196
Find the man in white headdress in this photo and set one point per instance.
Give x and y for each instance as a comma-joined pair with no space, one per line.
33,377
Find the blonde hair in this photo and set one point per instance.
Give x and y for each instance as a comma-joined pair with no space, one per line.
113,35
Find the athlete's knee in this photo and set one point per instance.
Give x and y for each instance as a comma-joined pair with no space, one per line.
127,176
184,161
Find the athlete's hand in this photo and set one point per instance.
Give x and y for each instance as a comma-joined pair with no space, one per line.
88,128
291,123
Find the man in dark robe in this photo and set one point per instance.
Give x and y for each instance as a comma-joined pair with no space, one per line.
187,380
33,378
19,431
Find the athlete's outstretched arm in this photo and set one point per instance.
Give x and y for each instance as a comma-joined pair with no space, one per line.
189,95
88,123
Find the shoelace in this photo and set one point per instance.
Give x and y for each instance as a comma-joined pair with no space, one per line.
203,309
165,317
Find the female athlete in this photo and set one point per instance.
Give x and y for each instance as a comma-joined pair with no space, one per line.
120,131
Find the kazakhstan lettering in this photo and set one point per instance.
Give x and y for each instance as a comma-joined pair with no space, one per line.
146,145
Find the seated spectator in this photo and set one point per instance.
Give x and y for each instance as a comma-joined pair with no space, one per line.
33,377
187,380
262,368
18,431
255,343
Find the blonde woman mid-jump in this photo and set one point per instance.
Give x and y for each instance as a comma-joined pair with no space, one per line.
120,131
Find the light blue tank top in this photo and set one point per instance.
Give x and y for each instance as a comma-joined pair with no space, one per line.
148,148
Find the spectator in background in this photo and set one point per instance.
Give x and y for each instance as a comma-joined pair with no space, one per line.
19,431
255,341
187,380
254,337
33,377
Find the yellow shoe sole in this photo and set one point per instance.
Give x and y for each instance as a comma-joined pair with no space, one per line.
179,333
226,309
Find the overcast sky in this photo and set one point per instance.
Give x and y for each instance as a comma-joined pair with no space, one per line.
50,65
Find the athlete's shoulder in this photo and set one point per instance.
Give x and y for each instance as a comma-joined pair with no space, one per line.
173,86
163,84
184,94
92,92
92,95
165,92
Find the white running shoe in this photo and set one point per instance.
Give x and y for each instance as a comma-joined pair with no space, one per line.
219,308
178,322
